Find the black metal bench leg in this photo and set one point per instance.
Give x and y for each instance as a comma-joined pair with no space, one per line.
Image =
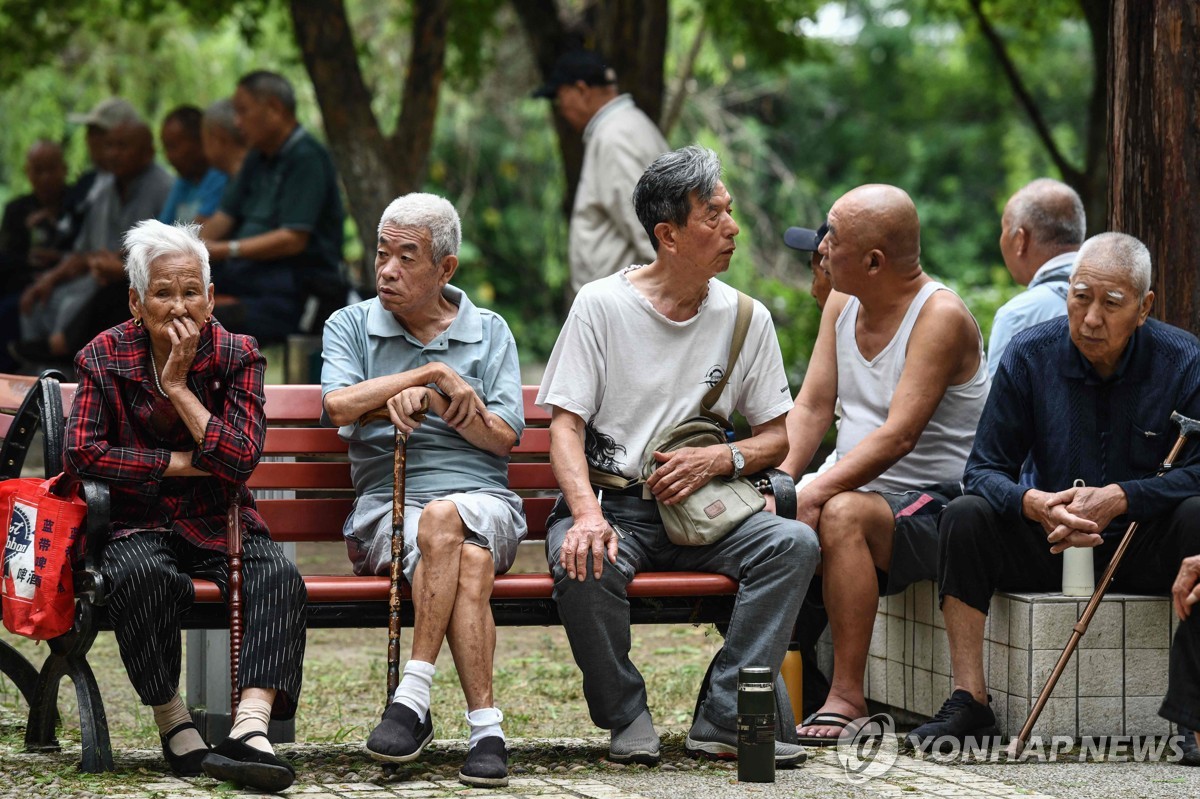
16,668
93,723
43,707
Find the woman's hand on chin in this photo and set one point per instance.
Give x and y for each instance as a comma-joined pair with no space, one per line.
185,337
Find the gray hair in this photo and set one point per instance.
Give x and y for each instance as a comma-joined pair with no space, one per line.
149,240
264,85
1050,211
220,115
664,192
431,212
1118,254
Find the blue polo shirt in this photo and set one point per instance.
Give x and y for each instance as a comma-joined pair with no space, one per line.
365,341
1049,404
190,199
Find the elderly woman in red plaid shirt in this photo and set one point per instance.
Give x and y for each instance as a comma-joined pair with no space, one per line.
169,413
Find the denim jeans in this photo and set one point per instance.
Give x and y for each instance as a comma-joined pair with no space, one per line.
772,559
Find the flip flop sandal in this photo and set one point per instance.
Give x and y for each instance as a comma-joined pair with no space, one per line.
826,719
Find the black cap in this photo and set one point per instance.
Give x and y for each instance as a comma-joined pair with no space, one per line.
806,239
577,65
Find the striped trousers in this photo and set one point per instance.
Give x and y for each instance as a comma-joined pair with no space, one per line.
149,576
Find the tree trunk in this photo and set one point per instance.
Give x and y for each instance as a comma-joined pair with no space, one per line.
374,169
1154,162
632,35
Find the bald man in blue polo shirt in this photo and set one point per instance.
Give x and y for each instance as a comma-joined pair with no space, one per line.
421,344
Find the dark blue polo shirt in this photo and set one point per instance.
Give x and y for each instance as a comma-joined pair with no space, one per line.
1048,403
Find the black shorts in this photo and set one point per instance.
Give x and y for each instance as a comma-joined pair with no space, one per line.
915,542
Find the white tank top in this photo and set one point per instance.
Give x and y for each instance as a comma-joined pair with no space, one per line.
865,389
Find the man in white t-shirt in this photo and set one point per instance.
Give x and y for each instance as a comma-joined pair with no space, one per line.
637,353
904,358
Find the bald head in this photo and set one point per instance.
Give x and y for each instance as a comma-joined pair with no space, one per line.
882,218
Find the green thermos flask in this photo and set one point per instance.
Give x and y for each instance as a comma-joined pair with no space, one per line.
756,725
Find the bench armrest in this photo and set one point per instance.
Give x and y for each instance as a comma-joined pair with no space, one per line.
42,409
784,489
89,582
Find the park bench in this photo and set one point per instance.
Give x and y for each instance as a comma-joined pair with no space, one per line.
308,462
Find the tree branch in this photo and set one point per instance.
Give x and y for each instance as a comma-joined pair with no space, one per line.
1070,174
671,118
413,137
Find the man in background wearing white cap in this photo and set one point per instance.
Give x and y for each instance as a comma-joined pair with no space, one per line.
619,143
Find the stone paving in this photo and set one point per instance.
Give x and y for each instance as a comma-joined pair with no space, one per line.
575,769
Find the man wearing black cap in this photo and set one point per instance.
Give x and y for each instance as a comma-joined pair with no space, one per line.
619,143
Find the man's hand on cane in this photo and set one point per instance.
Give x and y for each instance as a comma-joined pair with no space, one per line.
1186,590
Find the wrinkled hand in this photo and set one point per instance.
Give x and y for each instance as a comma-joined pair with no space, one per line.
1186,590
407,409
463,399
185,337
105,266
589,534
1052,511
808,507
681,472
1098,505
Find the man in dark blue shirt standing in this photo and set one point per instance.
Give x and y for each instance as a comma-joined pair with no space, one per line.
1083,398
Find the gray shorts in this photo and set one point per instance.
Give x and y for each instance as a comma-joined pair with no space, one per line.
493,517
915,543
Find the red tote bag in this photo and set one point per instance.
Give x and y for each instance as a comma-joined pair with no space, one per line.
38,592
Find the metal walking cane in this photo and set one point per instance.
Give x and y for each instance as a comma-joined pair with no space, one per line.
1187,428
399,464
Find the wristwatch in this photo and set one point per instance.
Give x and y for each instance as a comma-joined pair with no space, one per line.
739,462
235,248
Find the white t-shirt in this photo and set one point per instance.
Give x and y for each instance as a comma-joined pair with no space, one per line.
629,372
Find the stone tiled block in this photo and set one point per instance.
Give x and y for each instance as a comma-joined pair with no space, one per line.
941,652
939,620
910,632
896,644
1018,672
1020,621
909,609
877,679
943,686
879,636
1052,622
997,620
1148,623
997,673
895,683
1018,710
895,605
1101,715
923,601
1106,628
1101,672
923,646
908,685
922,695
1146,672
1141,716
1043,664
1057,718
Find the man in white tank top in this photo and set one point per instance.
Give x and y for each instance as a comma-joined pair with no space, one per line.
904,357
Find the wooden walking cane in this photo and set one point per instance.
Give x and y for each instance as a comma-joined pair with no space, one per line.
1187,427
399,465
233,550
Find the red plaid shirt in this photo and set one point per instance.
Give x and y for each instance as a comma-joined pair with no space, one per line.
122,431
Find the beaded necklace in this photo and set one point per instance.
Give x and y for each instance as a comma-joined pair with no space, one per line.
154,373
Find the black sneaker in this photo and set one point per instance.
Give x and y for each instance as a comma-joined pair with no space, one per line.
960,718
401,736
487,764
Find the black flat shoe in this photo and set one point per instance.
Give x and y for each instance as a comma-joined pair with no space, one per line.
187,764
238,762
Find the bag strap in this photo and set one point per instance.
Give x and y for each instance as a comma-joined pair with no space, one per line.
741,325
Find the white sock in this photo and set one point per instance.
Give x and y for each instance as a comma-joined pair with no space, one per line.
169,716
415,686
484,722
253,715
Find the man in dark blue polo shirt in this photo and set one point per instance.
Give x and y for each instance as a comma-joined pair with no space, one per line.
1084,398
279,227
